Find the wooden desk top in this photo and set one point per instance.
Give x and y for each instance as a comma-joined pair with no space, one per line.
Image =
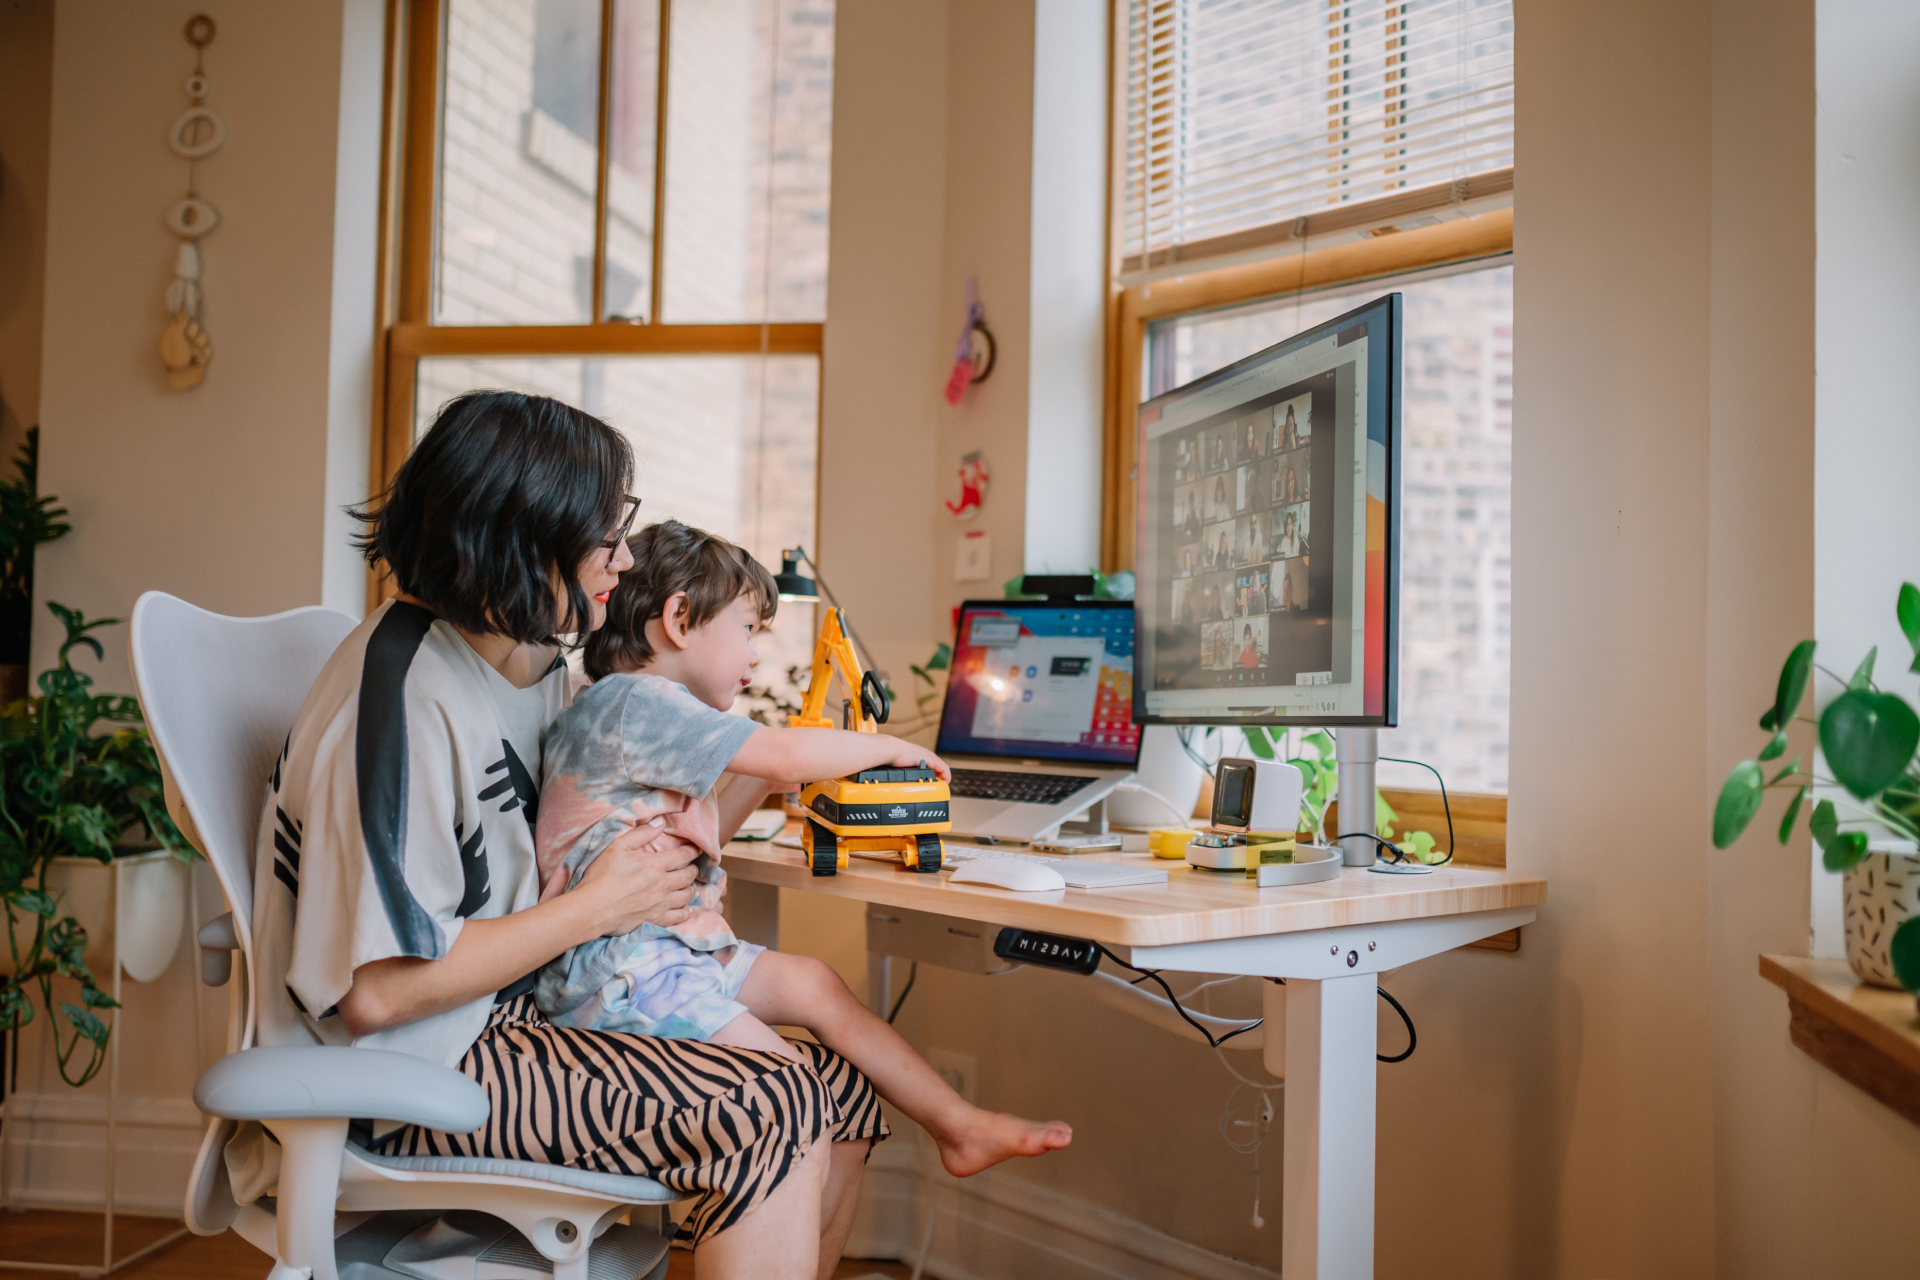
1193,906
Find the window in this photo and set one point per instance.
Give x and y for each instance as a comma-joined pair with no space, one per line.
1254,122
1456,483
622,204
1280,162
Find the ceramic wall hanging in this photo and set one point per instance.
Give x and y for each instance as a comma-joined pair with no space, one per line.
185,348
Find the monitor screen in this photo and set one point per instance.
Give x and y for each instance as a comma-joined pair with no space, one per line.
1042,681
1267,534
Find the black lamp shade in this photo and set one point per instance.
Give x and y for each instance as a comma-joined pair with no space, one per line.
789,582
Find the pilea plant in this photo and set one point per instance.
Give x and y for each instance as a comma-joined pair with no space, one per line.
78,777
1867,738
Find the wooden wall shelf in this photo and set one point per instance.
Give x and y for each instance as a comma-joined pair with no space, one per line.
1868,1036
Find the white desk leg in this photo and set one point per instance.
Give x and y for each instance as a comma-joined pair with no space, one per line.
1327,1214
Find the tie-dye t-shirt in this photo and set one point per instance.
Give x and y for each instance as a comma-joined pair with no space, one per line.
631,748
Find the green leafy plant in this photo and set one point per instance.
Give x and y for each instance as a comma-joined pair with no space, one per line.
1320,787
78,777
1867,737
925,687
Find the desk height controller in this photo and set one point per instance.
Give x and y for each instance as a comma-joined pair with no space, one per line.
1054,951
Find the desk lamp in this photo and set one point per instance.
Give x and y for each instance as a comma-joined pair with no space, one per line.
793,585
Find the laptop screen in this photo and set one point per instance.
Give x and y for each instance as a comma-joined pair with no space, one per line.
1043,681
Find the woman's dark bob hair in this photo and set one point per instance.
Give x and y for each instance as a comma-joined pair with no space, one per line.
505,494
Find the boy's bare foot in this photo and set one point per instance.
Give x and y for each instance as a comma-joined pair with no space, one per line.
988,1137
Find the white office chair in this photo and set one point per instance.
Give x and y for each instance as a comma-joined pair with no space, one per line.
220,695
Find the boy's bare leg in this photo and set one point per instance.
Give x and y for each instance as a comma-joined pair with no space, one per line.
799,991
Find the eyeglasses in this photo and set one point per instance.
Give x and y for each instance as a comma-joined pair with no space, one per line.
630,507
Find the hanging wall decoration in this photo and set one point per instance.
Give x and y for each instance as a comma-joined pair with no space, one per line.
975,352
196,134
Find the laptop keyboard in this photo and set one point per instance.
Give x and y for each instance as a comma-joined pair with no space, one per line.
1022,788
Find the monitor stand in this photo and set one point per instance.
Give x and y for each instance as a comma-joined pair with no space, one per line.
1357,754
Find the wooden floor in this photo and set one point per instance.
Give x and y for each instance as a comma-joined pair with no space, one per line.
75,1238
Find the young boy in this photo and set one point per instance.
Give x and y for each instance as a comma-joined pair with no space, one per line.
649,742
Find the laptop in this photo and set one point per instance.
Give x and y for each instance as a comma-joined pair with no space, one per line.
1038,719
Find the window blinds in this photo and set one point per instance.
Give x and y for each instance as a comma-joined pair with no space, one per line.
1244,117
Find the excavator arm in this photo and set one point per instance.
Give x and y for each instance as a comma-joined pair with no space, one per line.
866,696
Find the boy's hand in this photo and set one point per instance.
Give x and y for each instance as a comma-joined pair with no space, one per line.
912,757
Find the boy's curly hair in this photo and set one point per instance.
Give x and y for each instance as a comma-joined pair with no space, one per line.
669,558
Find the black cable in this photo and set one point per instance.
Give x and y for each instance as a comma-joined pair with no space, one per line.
912,973
1444,804
1175,1002
1394,852
1412,1040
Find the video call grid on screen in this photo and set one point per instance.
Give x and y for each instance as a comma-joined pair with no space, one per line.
1254,532
1045,681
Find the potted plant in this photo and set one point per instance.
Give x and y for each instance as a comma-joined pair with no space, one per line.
26,520
78,780
1867,822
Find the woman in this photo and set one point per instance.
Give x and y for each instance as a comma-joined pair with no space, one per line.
399,895
1289,540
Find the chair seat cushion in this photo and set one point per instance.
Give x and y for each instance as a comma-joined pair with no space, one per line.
612,1185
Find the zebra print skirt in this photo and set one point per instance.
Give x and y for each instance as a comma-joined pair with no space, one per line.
723,1125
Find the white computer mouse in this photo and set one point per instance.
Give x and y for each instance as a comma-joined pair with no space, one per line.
1018,874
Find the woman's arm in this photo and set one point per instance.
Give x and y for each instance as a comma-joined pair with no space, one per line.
626,886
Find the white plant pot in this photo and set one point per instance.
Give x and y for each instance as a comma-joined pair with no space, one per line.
1167,769
1878,893
152,909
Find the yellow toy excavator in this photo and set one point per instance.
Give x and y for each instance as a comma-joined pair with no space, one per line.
875,810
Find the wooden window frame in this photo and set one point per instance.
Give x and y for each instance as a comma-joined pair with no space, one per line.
410,163
1378,251
1131,309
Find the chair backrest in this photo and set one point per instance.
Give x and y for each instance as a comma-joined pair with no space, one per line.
220,695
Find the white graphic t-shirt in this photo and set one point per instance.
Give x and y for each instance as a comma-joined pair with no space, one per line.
403,805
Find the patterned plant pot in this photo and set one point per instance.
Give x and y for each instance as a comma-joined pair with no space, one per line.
1879,892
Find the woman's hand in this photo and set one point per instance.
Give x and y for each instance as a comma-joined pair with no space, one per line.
633,883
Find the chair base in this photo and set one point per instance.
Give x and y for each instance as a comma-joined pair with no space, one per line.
426,1245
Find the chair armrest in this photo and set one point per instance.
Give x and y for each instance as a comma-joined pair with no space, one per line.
218,941
314,1082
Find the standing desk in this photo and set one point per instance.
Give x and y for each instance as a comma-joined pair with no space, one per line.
1330,941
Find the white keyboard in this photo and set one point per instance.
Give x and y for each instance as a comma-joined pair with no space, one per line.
1077,873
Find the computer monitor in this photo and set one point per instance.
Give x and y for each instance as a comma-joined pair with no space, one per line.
1268,519
1042,680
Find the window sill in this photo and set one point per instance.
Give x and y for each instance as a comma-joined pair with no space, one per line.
1868,1036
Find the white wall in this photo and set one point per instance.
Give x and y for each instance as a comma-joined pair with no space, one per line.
226,495
1067,288
218,494
1869,197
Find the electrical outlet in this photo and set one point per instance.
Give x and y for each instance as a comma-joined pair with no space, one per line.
961,1071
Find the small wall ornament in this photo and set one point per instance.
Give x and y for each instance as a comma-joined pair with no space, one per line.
973,486
197,133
